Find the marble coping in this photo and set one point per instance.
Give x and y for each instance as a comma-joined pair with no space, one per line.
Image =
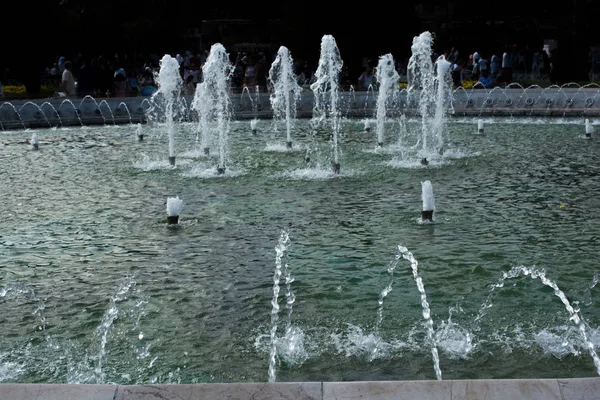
489,389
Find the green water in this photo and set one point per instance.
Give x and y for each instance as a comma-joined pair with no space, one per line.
86,256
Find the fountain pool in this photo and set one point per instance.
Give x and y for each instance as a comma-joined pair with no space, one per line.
96,287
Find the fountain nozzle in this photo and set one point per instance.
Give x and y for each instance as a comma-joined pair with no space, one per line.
427,215
336,168
221,169
206,151
588,129
34,142
380,144
254,132
428,201
172,160
424,161
141,137
174,206
289,145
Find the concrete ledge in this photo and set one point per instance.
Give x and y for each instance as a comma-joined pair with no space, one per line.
489,389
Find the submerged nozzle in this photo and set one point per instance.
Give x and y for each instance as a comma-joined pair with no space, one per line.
336,168
172,160
173,219
221,169
206,151
427,215
289,145
424,161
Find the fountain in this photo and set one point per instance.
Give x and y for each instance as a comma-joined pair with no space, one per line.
414,264
169,86
428,201
589,129
253,124
212,102
326,95
34,142
140,132
431,89
505,205
286,91
174,206
280,261
387,79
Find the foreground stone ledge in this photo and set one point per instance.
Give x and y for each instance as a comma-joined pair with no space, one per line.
488,389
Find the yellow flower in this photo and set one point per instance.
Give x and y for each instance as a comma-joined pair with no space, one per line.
13,89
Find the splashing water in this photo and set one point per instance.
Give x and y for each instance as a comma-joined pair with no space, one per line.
174,206
325,90
414,264
107,320
253,124
422,84
286,92
390,270
212,100
535,273
387,78
281,253
169,85
427,196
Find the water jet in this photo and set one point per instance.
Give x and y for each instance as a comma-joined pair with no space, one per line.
428,201
140,133
174,206
480,127
589,129
34,142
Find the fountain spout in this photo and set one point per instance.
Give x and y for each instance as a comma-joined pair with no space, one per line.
169,85
286,91
387,79
589,129
428,201
325,90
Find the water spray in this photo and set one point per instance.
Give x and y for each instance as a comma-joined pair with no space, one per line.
428,201
589,129
34,142
140,133
174,206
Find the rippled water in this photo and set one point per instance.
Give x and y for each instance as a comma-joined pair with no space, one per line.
96,287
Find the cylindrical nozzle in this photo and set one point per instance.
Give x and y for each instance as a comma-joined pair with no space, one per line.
172,160
173,219
427,215
336,168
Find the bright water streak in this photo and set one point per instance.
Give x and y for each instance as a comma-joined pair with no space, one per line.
414,264
387,78
286,91
281,252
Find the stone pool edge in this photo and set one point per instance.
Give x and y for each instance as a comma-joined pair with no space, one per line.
489,389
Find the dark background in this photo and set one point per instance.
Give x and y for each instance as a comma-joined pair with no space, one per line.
35,35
